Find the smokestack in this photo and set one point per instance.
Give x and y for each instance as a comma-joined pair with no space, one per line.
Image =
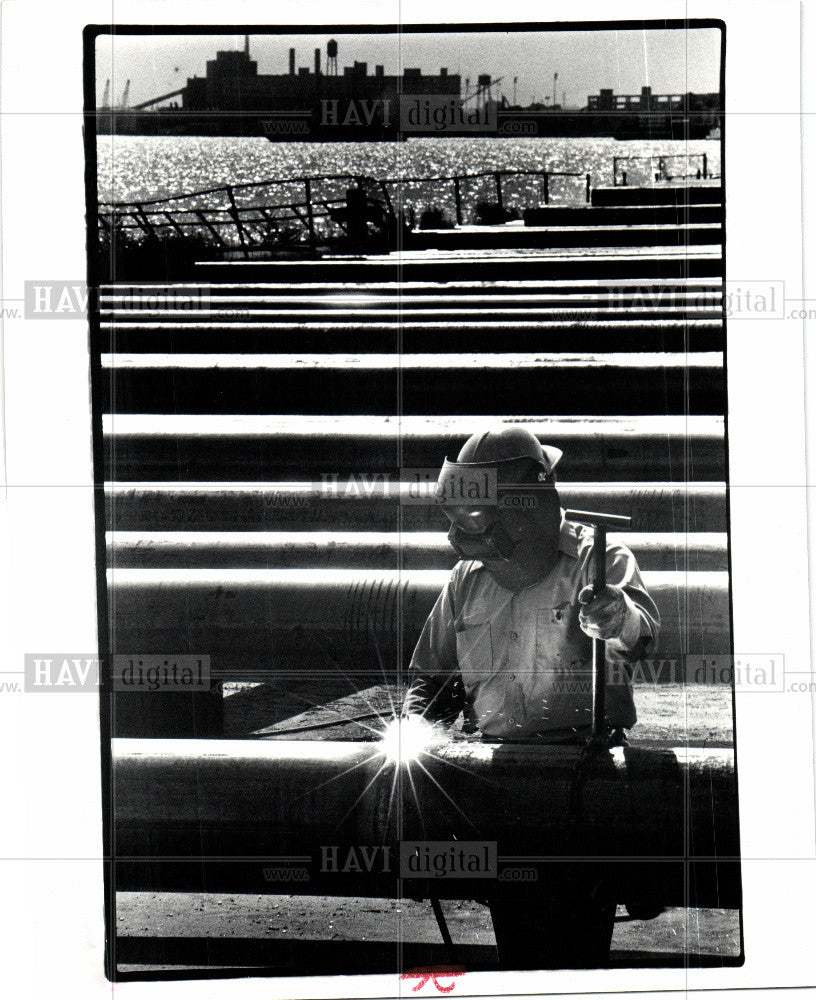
317,62
291,62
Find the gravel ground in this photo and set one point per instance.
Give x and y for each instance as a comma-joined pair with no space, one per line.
303,935
176,933
669,714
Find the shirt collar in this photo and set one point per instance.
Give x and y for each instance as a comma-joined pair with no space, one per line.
568,537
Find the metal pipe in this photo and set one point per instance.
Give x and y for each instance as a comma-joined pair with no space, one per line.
142,218
153,447
236,217
206,222
666,551
378,505
457,194
217,815
304,619
582,384
599,645
599,522
308,193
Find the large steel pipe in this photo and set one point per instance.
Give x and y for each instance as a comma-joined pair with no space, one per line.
585,236
306,619
397,321
664,551
628,309
424,384
628,215
129,294
213,336
257,448
203,816
703,194
364,502
674,263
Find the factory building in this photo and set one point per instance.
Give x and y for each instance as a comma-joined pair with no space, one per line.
232,83
648,103
321,101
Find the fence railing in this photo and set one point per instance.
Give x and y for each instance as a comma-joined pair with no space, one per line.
666,167
310,208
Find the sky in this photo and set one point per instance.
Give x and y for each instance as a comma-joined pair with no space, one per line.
668,60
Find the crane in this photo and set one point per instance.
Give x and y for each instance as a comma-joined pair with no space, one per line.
485,89
156,100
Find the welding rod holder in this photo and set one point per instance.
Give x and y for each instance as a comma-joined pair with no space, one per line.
600,522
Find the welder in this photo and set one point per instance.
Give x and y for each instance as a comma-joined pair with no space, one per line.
509,644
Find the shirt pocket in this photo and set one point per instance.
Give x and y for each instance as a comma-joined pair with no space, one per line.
553,637
474,648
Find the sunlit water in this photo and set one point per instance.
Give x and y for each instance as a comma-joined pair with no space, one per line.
133,168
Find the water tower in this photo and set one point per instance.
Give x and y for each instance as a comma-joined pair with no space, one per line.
331,58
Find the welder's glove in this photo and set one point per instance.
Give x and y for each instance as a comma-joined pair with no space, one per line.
439,699
609,615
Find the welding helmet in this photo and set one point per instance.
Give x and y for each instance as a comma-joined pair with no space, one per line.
500,498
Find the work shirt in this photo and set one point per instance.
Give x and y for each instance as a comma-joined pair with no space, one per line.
525,663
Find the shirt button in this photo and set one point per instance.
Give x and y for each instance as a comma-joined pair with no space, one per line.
511,720
558,616
514,635
512,677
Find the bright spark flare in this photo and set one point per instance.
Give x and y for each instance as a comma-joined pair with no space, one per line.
405,739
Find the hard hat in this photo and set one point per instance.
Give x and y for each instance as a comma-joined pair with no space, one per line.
507,457
516,546
505,443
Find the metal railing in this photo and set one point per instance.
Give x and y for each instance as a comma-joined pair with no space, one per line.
664,167
310,208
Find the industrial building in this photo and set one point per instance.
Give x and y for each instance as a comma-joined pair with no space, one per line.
648,103
323,102
233,83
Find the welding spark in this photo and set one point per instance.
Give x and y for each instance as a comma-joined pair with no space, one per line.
406,738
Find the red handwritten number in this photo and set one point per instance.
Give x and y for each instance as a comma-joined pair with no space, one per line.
431,973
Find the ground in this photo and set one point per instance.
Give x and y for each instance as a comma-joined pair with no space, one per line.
283,934
698,715
304,935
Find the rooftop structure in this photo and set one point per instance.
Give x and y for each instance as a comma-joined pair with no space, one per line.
232,83
648,103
